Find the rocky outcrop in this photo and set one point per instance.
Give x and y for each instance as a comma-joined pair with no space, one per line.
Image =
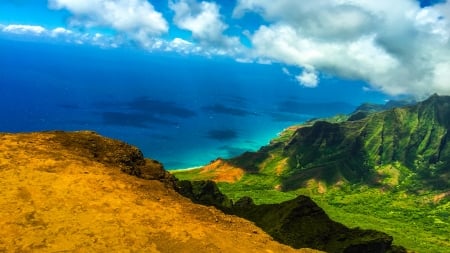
300,222
204,192
113,152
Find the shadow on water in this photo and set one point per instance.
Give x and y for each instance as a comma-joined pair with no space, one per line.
238,100
142,112
222,109
318,109
148,106
138,120
288,117
222,135
145,104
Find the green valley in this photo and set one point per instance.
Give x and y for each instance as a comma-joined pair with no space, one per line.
386,170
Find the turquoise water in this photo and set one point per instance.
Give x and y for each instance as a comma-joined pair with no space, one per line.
183,111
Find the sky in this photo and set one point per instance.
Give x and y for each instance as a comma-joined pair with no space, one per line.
188,81
396,48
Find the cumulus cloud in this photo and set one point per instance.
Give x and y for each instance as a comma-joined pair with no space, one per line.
308,78
136,18
204,21
182,46
60,31
62,34
398,48
24,29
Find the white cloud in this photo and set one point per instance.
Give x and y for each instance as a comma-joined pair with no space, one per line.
62,34
204,21
136,18
178,42
244,60
182,46
308,78
398,48
60,31
286,71
24,29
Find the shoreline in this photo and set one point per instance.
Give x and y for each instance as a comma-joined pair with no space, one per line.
186,169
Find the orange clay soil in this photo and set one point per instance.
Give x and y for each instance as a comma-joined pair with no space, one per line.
56,200
223,171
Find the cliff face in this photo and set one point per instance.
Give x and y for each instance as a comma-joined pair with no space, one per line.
68,192
111,152
299,222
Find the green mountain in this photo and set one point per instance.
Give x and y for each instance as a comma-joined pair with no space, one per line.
387,170
414,137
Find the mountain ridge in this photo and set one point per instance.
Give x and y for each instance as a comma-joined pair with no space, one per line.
414,135
389,166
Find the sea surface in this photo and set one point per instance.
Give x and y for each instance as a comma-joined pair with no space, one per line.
182,110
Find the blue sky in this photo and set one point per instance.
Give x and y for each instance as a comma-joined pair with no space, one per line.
400,48
188,81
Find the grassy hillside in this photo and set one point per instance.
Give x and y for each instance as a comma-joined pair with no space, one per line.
386,170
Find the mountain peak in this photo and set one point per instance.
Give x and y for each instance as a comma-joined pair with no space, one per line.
414,135
436,98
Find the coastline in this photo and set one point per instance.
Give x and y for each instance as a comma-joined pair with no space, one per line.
186,169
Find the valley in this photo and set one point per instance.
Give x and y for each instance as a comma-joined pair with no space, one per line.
385,170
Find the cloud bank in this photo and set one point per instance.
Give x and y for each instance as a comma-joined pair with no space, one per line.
204,21
399,48
60,33
136,18
23,29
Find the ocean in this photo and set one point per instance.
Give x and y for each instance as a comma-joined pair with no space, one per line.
181,110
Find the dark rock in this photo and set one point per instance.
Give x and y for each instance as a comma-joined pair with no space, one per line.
113,152
300,222
244,203
204,192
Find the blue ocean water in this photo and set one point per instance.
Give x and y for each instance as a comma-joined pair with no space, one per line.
181,110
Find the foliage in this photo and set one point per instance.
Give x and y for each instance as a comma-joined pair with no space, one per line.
386,170
414,219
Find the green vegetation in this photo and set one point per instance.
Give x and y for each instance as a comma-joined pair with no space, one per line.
415,220
388,171
191,175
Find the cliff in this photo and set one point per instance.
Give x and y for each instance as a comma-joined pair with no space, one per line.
299,222
80,192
